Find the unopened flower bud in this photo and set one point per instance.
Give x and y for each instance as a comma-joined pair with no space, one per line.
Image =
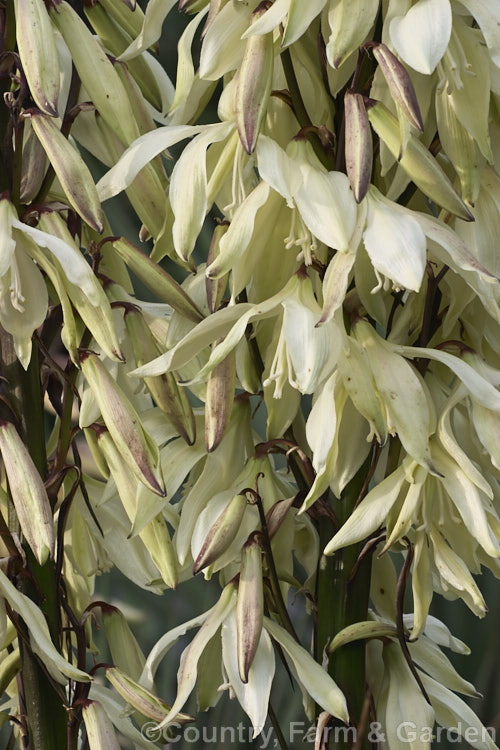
38,53
400,84
358,145
28,493
141,699
73,173
254,85
222,533
135,445
219,401
249,606
125,651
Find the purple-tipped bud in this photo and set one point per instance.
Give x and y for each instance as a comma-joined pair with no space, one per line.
219,401
358,145
249,606
254,85
221,533
400,84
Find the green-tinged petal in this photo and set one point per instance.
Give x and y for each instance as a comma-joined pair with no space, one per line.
311,351
315,680
223,46
98,726
486,13
229,323
454,574
188,188
185,67
370,513
140,153
357,377
41,642
186,676
321,424
7,242
408,509
253,695
299,18
451,711
421,584
401,390
468,501
38,53
28,493
116,709
23,301
478,387
75,267
268,20
431,659
349,22
165,643
237,238
408,717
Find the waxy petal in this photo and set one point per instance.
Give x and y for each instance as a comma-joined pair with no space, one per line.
423,34
395,242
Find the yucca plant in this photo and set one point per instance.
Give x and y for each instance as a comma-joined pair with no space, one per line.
311,410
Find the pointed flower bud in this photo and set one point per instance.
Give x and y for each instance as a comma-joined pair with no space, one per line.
38,53
219,401
172,400
33,168
358,145
221,534
157,280
137,448
100,732
249,606
156,537
417,162
73,173
125,651
254,84
28,493
400,84
277,514
141,699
